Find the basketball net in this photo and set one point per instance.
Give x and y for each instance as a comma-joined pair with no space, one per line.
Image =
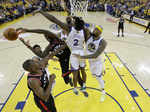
79,8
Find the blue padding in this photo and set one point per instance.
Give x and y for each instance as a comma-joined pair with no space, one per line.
134,93
20,105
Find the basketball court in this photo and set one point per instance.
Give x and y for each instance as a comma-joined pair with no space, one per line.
127,64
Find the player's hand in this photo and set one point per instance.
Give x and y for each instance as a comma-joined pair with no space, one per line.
50,55
21,39
27,43
55,59
21,30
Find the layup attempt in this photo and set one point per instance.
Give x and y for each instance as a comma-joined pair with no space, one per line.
75,41
54,44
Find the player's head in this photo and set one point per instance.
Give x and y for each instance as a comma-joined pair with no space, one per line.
78,23
37,48
31,66
97,31
35,58
38,59
121,16
48,38
69,20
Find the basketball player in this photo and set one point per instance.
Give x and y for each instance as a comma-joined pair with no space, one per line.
39,84
63,36
95,45
148,27
121,26
54,43
75,41
45,69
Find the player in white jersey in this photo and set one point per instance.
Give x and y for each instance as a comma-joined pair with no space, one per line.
77,36
75,42
95,45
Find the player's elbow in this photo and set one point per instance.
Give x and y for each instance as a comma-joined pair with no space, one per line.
104,43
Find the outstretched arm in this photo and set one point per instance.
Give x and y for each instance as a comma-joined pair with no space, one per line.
39,31
27,44
55,20
101,48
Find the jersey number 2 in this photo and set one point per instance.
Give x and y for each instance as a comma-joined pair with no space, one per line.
76,42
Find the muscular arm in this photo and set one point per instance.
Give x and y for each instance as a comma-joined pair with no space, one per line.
101,48
55,20
86,34
44,61
41,31
46,51
39,91
31,48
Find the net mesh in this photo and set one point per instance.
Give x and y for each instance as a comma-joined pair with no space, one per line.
79,7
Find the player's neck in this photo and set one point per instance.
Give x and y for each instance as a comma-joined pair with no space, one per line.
95,38
36,72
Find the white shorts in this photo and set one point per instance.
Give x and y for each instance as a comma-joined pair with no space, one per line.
96,67
76,62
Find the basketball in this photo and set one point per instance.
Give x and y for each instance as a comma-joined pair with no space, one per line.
10,34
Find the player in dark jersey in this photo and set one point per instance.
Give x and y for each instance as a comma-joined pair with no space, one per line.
121,26
54,43
39,84
147,28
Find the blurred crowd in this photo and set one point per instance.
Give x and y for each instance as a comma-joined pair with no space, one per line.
137,8
13,9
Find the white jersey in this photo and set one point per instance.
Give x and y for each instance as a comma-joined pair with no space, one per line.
92,46
75,41
96,64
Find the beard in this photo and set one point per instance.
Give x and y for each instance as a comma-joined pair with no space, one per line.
93,34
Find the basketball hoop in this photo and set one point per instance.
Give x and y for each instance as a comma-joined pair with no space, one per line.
79,8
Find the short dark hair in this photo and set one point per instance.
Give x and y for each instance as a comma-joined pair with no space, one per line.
35,46
68,20
27,64
79,23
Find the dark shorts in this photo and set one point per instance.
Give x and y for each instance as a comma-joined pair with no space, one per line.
121,27
64,63
48,106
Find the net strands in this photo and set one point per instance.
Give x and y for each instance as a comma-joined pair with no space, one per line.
79,8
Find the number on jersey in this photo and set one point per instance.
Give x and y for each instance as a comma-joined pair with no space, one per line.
76,42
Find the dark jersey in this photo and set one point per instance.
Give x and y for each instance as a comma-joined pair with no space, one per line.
43,79
121,21
55,44
48,106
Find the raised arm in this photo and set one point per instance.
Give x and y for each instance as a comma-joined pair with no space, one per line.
99,51
27,44
39,31
55,20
